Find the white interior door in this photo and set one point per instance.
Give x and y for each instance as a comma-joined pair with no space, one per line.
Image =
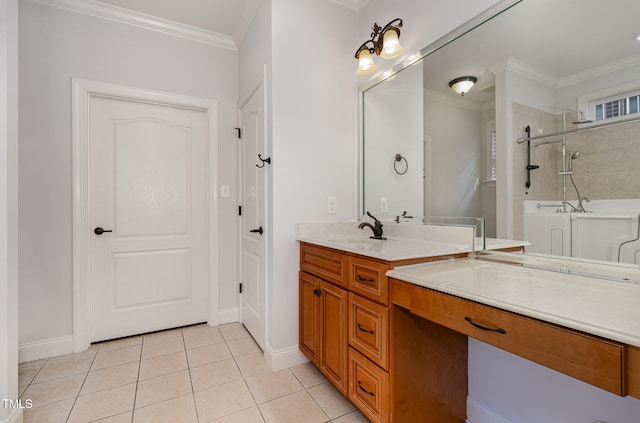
148,172
253,230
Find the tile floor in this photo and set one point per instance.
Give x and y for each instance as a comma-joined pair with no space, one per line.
191,374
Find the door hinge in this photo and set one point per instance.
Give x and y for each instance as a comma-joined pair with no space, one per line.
241,288
239,210
239,133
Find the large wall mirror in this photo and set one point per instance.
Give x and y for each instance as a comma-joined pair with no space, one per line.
569,71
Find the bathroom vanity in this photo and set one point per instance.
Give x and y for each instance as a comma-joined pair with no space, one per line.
389,329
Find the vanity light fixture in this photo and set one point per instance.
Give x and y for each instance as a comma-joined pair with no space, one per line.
384,43
463,84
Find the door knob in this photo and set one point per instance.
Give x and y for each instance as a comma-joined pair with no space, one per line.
257,231
100,231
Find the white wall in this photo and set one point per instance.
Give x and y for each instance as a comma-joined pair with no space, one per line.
314,139
456,158
8,207
56,45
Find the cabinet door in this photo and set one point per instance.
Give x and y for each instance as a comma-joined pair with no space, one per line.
333,334
309,321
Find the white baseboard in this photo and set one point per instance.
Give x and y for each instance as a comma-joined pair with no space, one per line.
14,417
281,359
228,315
45,349
477,413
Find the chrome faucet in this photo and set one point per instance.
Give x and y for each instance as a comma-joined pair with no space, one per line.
376,227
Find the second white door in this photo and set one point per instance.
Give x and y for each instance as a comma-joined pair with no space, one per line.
148,171
253,229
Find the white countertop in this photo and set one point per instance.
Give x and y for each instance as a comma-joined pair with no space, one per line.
601,307
404,241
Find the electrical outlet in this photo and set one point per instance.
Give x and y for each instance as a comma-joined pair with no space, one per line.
384,205
331,205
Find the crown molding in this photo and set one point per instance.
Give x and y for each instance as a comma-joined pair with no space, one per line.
356,5
607,68
142,20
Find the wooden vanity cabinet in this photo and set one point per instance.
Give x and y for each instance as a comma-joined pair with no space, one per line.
633,371
323,327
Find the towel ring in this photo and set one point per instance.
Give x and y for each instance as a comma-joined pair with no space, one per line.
397,160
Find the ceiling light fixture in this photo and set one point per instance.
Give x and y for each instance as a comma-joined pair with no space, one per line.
385,42
463,84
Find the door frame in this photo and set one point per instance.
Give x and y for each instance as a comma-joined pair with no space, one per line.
82,91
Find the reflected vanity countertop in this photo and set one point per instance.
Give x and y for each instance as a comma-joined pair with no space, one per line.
404,241
604,304
499,244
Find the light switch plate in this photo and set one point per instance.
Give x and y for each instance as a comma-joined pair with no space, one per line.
224,191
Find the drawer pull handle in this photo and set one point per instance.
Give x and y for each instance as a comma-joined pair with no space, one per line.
499,330
365,330
365,391
360,278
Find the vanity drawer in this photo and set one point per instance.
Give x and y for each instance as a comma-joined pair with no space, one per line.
368,387
588,358
325,263
368,278
369,329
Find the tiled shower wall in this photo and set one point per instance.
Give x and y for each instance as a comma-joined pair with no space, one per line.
608,166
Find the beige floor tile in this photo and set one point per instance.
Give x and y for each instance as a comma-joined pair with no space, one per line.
268,386
162,365
232,331
252,364
33,363
54,390
118,418
162,388
89,353
162,347
54,369
119,343
55,412
162,335
201,337
298,407
116,357
196,328
99,405
213,374
353,417
177,410
111,377
308,375
332,402
243,346
208,354
250,415
223,400
26,375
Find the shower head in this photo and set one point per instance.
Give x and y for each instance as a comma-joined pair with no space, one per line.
574,155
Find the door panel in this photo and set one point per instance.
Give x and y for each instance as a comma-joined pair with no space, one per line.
148,173
253,216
